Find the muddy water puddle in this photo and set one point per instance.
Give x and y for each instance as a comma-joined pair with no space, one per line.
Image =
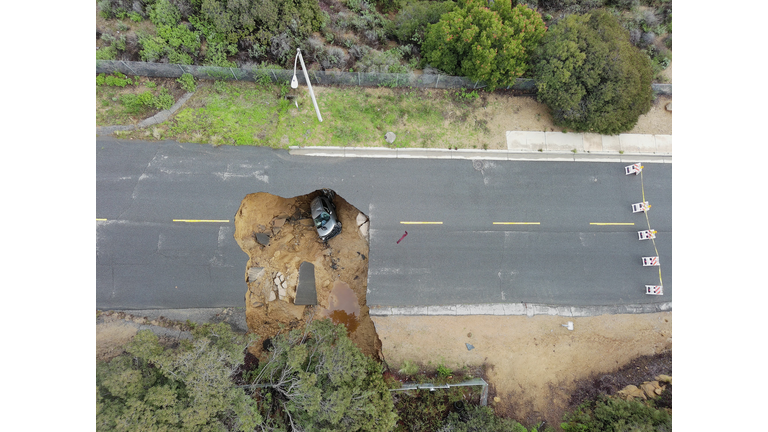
343,306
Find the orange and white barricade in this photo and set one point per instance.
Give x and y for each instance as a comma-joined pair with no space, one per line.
633,169
650,261
654,289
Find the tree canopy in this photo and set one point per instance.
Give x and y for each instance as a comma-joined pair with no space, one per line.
492,45
324,383
315,379
186,389
590,76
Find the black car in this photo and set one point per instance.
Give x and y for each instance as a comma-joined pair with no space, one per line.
324,214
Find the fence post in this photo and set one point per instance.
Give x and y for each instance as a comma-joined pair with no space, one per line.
233,74
438,80
182,69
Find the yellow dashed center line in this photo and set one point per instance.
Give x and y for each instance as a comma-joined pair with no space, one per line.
421,223
611,223
203,220
98,219
517,223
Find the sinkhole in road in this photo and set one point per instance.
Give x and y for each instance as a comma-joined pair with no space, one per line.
278,235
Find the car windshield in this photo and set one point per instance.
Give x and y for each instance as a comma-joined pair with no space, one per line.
321,219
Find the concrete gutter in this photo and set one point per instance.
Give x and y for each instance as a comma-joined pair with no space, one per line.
518,309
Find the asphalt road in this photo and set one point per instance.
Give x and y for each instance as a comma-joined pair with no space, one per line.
499,231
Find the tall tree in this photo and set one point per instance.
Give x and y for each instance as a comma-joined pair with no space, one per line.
324,383
184,389
492,45
590,76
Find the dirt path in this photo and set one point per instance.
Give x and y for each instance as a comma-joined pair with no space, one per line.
532,363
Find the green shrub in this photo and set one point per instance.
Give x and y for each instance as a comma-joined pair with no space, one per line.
409,368
117,79
492,45
187,82
591,77
480,418
153,48
443,371
106,53
261,20
163,100
135,17
410,24
163,12
137,103
615,414
180,36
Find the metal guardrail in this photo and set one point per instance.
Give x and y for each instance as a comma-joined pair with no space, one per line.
433,387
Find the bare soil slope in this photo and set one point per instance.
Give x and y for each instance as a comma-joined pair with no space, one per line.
533,364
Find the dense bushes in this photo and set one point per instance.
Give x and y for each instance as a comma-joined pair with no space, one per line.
186,389
613,414
492,45
410,24
590,76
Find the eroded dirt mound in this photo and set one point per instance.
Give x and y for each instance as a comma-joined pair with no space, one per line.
278,235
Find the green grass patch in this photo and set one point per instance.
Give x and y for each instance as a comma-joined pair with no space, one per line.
246,113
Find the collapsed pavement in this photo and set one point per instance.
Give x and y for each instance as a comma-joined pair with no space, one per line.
278,235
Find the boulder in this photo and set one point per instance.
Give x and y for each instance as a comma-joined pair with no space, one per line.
669,107
390,137
649,388
664,378
630,392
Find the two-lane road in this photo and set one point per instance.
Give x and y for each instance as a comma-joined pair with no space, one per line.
507,231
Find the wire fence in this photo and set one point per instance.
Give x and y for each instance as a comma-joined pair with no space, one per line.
359,79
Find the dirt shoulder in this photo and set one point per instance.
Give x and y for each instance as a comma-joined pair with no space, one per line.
533,364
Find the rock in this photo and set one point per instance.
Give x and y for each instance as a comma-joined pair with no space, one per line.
389,137
629,392
254,273
664,378
649,389
272,295
263,239
361,219
364,230
279,222
669,107
281,292
496,399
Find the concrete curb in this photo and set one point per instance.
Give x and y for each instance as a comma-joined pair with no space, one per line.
516,155
517,309
155,119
